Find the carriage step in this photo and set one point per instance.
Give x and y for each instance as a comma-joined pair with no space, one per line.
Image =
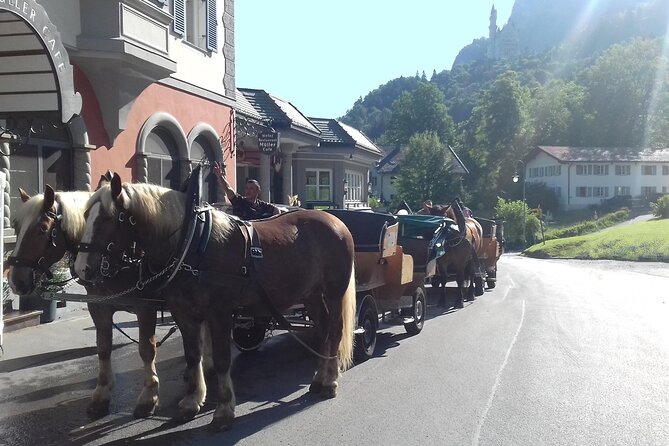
15,320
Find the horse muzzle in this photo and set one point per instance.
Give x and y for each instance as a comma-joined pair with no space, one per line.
21,280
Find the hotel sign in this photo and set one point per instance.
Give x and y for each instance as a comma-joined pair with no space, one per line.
268,142
36,17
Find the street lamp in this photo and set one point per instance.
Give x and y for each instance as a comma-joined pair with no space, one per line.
517,178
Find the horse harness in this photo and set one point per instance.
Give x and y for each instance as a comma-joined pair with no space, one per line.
198,223
55,217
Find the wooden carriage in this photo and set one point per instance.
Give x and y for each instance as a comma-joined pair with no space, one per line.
386,278
492,249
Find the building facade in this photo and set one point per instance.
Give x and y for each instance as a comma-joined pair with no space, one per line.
322,161
583,177
145,88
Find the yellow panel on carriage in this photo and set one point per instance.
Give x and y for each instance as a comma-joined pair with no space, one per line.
399,268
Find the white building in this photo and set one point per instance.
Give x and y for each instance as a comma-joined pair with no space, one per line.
585,176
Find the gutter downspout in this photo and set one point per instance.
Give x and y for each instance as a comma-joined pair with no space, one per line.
568,184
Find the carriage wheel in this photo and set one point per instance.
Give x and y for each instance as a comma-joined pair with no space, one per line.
365,342
419,310
248,339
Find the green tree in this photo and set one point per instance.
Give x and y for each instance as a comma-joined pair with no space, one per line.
426,172
495,137
627,95
422,110
557,113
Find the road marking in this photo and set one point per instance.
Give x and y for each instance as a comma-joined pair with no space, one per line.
498,379
513,285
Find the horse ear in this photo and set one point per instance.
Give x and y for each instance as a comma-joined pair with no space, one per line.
118,194
24,195
49,197
116,188
105,179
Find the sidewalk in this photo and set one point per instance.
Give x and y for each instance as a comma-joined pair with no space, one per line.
73,328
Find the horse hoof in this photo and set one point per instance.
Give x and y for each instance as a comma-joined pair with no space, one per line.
98,409
329,391
221,424
144,410
316,387
187,414
222,421
460,304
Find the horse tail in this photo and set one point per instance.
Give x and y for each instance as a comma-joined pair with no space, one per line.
345,351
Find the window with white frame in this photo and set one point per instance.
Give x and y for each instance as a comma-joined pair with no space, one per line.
623,169
647,169
665,170
600,169
600,191
648,190
197,22
584,169
553,171
353,186
584,191
319,185
622,190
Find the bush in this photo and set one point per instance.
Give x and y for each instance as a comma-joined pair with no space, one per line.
512,214
589,226
661,207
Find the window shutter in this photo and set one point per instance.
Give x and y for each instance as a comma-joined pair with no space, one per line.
212,26
179,17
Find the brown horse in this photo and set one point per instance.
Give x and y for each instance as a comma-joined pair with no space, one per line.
460,253
48,226
313,243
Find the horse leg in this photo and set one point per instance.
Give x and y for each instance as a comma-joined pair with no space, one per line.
460,278
316,312
196,389
148,399
441,283
207,358
102,319
471,271
324,381
220,327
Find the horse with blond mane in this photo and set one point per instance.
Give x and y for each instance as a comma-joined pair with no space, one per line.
50,225
316,244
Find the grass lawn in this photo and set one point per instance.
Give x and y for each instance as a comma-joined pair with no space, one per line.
647,240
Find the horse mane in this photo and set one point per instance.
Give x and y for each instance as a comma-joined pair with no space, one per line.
72,205
160,207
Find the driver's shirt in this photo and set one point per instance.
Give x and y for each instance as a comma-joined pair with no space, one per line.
246,210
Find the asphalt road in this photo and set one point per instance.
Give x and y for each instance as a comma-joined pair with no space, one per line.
559,353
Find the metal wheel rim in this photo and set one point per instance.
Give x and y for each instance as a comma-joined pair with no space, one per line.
418,311
368,334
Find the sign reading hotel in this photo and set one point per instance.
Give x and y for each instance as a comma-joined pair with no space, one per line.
268,142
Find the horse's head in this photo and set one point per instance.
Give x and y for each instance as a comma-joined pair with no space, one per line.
109,233
40,240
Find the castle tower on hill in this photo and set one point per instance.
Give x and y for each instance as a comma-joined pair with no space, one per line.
502,43
493,23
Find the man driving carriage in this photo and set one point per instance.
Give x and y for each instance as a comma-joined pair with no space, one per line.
249,206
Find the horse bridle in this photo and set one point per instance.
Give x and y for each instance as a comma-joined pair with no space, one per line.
43,263
113,258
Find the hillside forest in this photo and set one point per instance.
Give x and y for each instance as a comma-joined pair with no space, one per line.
493,112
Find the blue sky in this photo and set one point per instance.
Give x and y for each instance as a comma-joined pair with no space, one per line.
323,55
